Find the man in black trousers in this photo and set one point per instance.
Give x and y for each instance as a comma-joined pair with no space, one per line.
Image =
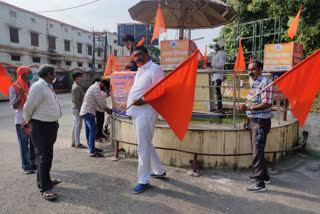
42,112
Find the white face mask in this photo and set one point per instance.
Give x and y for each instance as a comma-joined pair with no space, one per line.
54,80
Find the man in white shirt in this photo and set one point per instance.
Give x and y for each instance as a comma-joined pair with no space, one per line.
42,111
217,63
144,118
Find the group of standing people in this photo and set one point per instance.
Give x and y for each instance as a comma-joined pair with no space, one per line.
38,111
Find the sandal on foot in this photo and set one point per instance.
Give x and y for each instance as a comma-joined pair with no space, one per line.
50,196
56,181
96,155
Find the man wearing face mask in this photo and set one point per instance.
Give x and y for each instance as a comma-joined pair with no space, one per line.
144,118
77,99
42,111
259,123
18,92
217,63
94,100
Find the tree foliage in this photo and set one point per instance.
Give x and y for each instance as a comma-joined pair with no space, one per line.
154,53
251,10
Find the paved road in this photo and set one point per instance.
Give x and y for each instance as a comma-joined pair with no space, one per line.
103,186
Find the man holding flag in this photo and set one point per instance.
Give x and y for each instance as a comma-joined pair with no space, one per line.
18,92
259,123
144,118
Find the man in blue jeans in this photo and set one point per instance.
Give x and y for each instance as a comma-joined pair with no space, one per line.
18,92
94,100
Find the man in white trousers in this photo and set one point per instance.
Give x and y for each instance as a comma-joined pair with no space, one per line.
144,118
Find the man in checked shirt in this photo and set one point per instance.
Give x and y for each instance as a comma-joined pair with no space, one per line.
258,122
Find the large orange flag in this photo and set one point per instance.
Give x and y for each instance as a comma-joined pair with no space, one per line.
115,67
173,96
240,64
159,26
300,85
5,81
108,69
294,26
138,44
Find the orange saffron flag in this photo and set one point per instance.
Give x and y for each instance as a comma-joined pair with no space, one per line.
250,59
240,64
205,53
300,85
173,96
138,44
294,26
115,67
108,69
5,81
159,26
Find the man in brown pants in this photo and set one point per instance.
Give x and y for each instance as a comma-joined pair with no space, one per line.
258,122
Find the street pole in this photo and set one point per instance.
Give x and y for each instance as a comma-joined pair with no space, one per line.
93,67
105,50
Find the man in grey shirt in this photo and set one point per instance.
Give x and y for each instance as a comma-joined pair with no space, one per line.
77,99
42,112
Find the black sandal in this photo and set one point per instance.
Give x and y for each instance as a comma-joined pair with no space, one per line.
56,181
99,150
96,155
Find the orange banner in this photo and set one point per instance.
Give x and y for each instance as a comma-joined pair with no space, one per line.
121,62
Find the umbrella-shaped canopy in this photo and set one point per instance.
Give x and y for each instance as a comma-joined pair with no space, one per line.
184,14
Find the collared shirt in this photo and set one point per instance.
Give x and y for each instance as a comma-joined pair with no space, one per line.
147,76
217,63
77,96
42,103
93,100
265,97
13,97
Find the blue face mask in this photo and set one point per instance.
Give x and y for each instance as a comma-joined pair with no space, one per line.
30,76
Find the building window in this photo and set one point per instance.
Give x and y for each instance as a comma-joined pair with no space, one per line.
12,13
68,63
90,65
79,34
115,52
36,59
33,20
99,52
79,48
15,58
34,39
99,66
79,64
52,42
89,37
66,30
67,45
53,62
14,35
51,25
90,50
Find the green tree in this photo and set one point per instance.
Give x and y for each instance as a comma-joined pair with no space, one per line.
250,10
154,53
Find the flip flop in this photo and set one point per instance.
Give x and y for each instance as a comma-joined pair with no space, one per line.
56,181
50,196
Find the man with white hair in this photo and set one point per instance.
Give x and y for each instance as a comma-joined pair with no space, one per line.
217,63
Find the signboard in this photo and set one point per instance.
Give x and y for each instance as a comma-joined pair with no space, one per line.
62,83
121,62
283,56
277,94
121,83
138,31
173,52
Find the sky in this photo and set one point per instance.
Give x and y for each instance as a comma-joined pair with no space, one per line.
103,15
